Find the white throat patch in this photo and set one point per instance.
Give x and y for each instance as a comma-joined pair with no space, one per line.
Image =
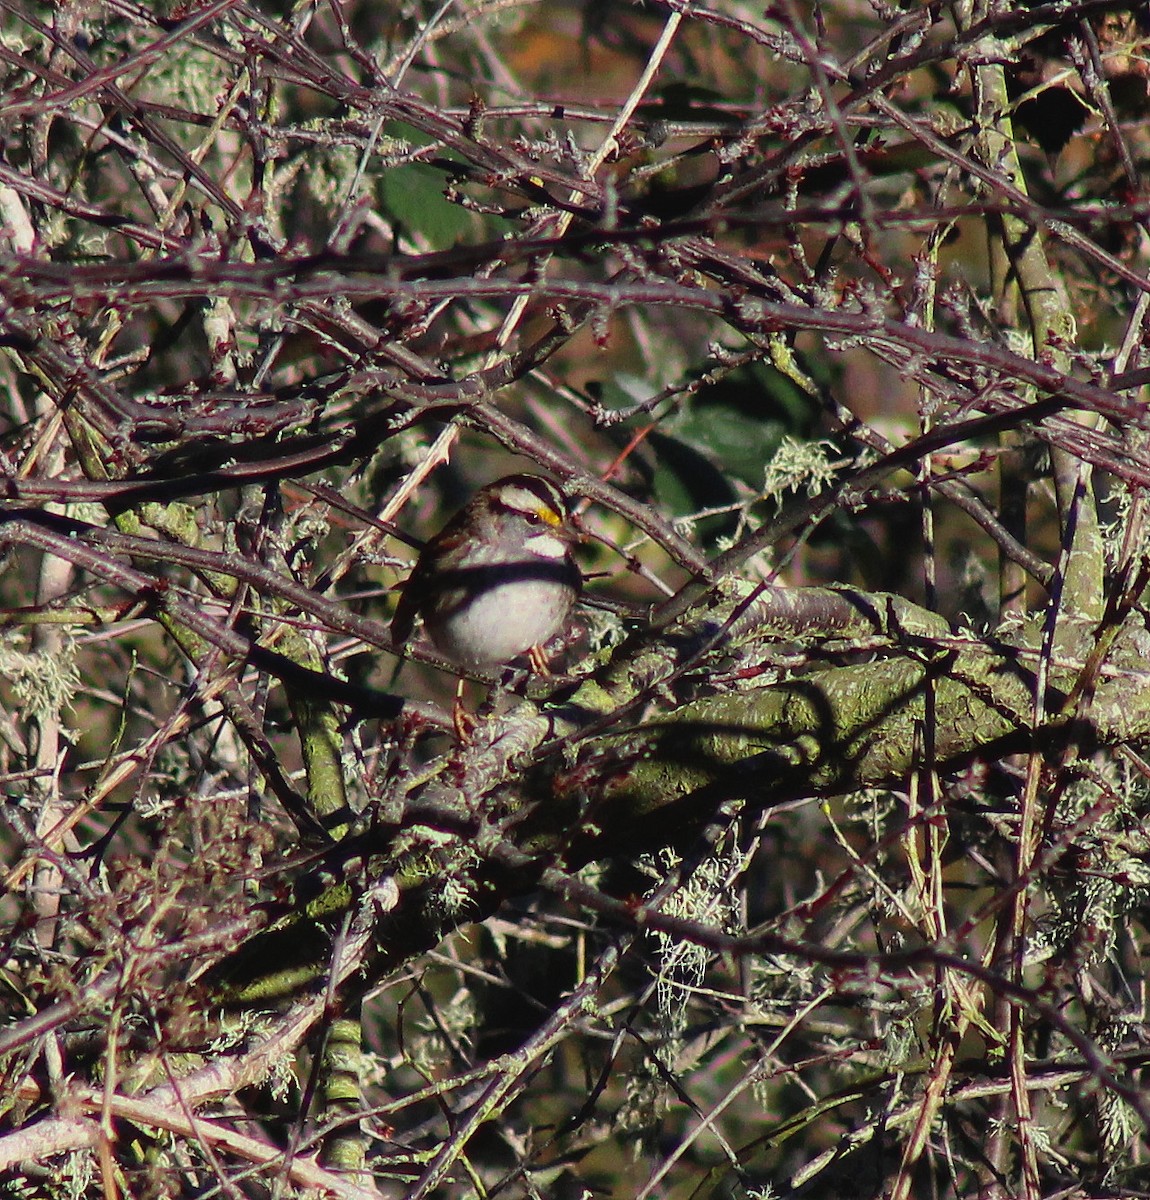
547,545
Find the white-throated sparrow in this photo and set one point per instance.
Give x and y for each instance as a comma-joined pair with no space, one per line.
499,579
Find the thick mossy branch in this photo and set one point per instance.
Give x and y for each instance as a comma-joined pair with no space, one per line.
1019,259
486,831
834,731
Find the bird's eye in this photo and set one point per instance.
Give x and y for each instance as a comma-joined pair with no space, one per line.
534,518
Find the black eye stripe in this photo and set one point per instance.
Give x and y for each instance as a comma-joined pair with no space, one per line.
533,516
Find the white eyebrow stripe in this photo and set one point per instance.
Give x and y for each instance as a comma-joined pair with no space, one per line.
527,500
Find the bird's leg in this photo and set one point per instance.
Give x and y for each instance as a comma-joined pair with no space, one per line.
461,719
537,657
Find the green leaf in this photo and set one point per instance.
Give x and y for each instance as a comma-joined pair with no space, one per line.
740,421
413,196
